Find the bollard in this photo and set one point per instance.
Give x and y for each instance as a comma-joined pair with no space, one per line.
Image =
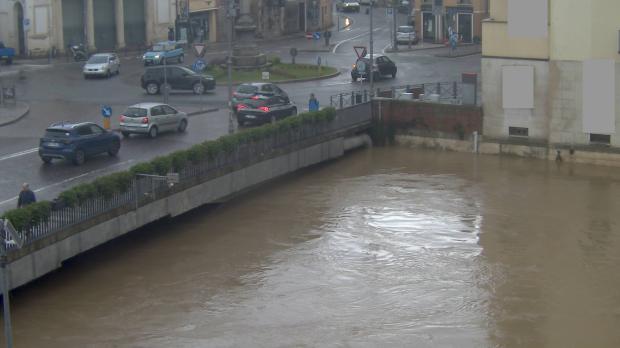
475,141
365,96
439,88
393,92
352,98
454,93
340,95
331,100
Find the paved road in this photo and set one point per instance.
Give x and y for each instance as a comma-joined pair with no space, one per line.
61,93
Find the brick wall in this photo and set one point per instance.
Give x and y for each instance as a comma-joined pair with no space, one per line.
430,119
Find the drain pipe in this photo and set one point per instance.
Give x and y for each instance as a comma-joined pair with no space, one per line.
476,142
354,142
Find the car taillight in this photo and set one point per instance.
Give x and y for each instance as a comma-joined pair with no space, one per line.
263,108
121,118
241,106
255,97
145,120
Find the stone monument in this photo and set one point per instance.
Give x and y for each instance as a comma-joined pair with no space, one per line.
245,51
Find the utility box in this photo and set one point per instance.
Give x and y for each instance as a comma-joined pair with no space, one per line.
470,88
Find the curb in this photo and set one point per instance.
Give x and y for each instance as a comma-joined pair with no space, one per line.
17,118
458,55
422,49
324,77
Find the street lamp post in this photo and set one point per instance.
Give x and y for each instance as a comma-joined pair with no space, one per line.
372,85
231,17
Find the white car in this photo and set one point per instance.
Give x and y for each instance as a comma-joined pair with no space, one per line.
102,64
406,34
151,119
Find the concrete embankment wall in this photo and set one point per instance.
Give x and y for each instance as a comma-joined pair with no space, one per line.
50,257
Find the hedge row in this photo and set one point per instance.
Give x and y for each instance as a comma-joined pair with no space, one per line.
108,185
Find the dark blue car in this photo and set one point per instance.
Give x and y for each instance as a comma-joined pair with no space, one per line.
76,141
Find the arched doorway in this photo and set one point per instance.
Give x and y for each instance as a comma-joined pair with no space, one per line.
19,20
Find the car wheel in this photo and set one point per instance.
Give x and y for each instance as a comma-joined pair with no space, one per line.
198,88
114,148
182,126
125,134
181,59
153,132
152,88
79,157
46,160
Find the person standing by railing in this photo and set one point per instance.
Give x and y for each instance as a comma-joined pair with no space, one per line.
26,196
313,103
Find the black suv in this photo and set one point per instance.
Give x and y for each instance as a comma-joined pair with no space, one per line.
254,90
383,66
262,109
177,77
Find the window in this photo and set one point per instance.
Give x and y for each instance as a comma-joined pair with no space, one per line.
84,131
518,87
518,131
163,11
156,111
598,108
41,20
168,110
600,138
135,112
267,88
96,129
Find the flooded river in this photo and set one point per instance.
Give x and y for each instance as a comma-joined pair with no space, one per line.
388,247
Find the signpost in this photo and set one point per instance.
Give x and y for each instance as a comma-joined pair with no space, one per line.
200,49
199,65
106,112
316,35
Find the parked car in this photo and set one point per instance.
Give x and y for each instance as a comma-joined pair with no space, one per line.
77,141
383,66
6,53
177,78
151,119
171,51
254,90
102,64
406,34
263,109
348,6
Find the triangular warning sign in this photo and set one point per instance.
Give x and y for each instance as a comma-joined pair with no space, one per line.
360,51
199,49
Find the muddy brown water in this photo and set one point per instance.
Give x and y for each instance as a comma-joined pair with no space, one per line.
387,247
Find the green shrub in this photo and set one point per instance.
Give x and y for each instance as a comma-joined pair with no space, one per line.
162,165
29,215
20,218
197,153
85,192
179,159
142,168
69,198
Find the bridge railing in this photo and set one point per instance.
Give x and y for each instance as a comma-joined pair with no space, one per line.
146,189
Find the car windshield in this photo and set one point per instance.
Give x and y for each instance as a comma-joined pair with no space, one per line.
57,133
254,103
98,60
405,29
247,89
135,112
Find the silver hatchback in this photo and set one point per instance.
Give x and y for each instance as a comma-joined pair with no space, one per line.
151,119
102,64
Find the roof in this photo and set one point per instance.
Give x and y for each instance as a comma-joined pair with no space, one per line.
67,124
145,105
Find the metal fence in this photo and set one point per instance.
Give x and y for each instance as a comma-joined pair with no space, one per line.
145,189
439,92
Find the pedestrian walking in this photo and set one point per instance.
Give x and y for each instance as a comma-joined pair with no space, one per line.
313,103
26,196
201,35
170,34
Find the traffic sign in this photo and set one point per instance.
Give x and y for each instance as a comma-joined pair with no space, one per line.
106,111
200,49
199,65
388,11
316,35
360,51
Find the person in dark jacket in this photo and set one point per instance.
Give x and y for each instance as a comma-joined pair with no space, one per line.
170,34
26,196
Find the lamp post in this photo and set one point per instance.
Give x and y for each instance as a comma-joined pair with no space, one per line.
231,17
372,85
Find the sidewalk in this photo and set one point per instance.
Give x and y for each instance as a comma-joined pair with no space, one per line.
440,50
12,113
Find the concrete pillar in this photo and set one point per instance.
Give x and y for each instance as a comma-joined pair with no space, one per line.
119,15
59,41
213,26
90,25
149,13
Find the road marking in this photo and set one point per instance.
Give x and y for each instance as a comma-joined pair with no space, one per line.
351,38
17,154
385,48
69,180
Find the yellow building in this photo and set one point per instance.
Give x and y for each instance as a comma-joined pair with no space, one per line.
550,71
434,18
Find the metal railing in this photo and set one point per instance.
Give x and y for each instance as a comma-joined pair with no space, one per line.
146,189
440,92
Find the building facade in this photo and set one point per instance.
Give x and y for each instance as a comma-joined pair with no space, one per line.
551,72
34,27
435,18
